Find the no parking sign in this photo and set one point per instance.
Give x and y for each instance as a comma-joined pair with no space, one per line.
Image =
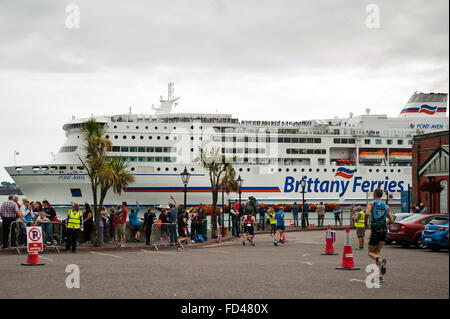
34,239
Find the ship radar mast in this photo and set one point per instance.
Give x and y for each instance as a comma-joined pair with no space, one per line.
166,105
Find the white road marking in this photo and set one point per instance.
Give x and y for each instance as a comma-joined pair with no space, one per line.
216,250
306,242
159,252
359,280
47,258
105,254
305,255
308,263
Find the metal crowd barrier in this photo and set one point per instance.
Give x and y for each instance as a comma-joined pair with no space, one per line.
160,235
13,242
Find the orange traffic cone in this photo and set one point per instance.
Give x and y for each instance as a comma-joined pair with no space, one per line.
33,260
347,259
329,250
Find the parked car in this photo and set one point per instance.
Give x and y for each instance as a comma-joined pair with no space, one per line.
409,230
435,234
397,218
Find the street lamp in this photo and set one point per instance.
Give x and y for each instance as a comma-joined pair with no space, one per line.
185,178
239,181
303,183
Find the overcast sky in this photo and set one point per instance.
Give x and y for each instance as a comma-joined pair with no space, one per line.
256,59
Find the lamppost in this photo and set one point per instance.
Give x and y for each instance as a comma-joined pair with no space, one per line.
303,183
185,178
239,181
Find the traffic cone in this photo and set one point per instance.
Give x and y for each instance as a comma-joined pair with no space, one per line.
219,238
347,258
33,260
329,250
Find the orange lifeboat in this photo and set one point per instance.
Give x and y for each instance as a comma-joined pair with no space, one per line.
372,156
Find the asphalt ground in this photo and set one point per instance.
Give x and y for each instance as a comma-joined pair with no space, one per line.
229,270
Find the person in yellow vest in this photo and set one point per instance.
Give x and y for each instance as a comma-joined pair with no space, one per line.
74,224
272,220
359,223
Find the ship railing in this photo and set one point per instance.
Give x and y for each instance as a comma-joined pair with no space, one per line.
18,236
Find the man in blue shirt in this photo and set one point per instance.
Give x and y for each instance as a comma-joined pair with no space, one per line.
305,219
378,211
279,226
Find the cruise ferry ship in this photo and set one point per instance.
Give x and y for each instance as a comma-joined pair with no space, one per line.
342,159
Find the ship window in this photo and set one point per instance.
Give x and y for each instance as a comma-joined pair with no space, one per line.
150,137
367,141
133,149
309,140
399,171
158,137
337,141
137,127
156,127
302,140
400,142
392,171
370,170
141,137
132,169
52,168
124,148
76,192
378,141
115,149
351,141
146,127
167,137
115,126
410,142
174,169
63,167
310,169
317,140
107,136
287,169
295,169
333,170
133,137
158,169
124,137
303,169
389,142
192,169
116,137
377,170
240,170
158,149
141,149
167,169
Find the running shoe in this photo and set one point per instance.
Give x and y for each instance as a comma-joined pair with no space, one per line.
275,243
381,280
359,248
383,266
252,244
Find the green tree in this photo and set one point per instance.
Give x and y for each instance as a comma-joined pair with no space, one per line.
103,172
221,172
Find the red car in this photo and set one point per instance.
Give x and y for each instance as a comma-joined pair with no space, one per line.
409,230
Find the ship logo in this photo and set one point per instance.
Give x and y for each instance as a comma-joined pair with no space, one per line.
345,172
427,109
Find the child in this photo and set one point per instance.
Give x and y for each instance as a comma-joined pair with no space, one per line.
103,219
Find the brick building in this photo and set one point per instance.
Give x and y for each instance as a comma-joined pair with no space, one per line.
430,161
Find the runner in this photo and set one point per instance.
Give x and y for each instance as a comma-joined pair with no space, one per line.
249,221
279,227
378,212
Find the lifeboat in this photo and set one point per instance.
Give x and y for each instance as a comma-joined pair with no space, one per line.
371,156
400,156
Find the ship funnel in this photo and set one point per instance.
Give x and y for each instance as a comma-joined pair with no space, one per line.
425,104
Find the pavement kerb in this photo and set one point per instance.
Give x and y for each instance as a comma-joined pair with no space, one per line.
136,246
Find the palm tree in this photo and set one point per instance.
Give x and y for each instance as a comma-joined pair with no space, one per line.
103,172
217,165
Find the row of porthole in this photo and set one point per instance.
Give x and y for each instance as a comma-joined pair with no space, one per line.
156,127
133,137
272,170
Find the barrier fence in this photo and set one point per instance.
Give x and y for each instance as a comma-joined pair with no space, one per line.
52,233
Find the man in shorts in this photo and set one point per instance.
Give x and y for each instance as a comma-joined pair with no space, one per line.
279,226
249,222
359,223
122,224
378,211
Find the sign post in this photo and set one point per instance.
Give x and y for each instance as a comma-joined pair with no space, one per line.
34,245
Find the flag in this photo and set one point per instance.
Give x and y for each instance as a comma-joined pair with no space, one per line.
345,172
